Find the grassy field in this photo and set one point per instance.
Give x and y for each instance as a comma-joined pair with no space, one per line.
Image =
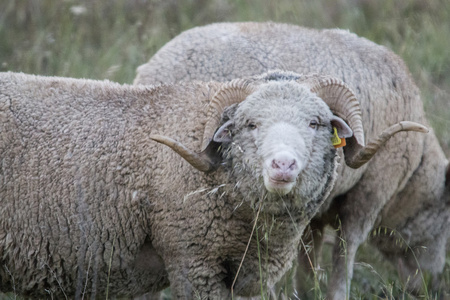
109,39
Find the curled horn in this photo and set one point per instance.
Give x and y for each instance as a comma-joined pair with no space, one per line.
341,100
203,161
232,92
206,161
344,104
357,156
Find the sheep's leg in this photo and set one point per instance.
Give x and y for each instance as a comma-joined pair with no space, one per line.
357,215
344,253
309,258
429,258
413,262
343,259
432,260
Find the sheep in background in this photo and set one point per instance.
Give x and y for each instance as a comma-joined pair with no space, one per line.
91,205
402,189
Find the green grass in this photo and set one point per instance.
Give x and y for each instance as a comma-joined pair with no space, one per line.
109,39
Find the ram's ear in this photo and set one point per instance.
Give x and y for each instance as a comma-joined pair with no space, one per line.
343,130
223,134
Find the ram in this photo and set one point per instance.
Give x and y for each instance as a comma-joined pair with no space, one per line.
92,205
402,189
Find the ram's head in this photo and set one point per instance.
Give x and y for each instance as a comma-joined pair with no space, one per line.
280,124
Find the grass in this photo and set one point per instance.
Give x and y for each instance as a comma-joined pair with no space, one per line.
109,39
374,277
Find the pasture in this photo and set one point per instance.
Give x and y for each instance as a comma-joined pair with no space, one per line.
110,39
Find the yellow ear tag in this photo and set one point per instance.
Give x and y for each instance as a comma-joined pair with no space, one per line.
337,142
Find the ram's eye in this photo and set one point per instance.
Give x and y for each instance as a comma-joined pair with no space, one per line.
251,126
314,124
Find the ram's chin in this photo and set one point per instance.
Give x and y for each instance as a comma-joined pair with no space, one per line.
278,187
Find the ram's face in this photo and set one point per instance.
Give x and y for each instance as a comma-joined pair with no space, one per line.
278,131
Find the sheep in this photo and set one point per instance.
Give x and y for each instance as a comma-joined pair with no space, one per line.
401,190
94,203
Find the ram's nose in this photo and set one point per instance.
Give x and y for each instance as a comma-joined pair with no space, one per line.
282,171
284,164
284,167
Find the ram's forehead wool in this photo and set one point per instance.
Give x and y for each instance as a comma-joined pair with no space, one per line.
402,188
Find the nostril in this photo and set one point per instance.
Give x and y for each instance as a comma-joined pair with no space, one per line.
293,165
275,164
284,164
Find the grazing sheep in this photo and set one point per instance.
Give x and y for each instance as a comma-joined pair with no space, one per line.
401,190
92,206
